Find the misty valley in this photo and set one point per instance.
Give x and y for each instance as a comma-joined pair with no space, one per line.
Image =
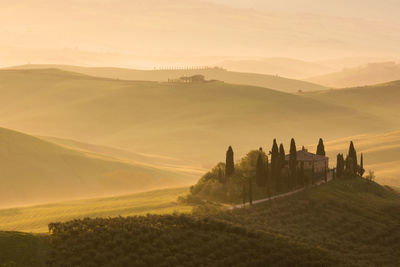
199,133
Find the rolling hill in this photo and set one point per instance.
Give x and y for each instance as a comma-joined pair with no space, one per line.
245,78
37,171
35,219
381,99
286,67
355,220
370,74
187,122
346,222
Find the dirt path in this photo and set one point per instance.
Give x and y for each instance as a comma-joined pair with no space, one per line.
330,176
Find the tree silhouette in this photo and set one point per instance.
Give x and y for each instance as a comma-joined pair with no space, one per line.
267,177
321,148
230,165
293,163
353,154
361,171
260,170
283,183
339,165
275,171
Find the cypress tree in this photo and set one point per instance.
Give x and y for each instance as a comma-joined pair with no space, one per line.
267,177
352,153
282,156
361,170
293,163
229,165
260,171
282,162
350,166
275,166
321,148
339,165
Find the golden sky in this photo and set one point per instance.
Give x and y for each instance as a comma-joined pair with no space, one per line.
116,29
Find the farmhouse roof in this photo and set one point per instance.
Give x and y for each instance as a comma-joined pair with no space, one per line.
304,155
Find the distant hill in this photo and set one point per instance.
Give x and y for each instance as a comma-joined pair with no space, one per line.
286,67
244,78
381,154
36,171
370,74
381,99
165,162
185,122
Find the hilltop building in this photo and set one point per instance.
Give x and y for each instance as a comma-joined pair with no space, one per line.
198,78
320,162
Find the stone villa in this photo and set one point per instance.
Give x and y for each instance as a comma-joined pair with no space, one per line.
320,162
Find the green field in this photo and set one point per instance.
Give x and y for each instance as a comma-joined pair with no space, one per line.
36,218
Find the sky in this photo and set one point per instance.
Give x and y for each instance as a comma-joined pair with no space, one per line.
118,31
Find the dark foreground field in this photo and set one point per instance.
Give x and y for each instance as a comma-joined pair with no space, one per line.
345,222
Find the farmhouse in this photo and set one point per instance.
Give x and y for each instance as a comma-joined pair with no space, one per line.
308,158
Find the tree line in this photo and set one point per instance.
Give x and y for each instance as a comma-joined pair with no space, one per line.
260,174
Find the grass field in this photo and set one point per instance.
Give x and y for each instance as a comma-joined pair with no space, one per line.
34,171
346,222
380,99
22,249
355,220
36,218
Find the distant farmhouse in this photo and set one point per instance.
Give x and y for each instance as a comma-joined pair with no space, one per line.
198,78
308,159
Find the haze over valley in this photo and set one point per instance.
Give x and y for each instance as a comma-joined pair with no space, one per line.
199,133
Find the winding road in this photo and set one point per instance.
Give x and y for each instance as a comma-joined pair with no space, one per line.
330,177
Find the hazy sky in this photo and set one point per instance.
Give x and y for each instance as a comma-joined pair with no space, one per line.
305,29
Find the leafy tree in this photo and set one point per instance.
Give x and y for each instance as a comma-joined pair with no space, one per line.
220,175
230,165
321,148
371,176
293,163
260,171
